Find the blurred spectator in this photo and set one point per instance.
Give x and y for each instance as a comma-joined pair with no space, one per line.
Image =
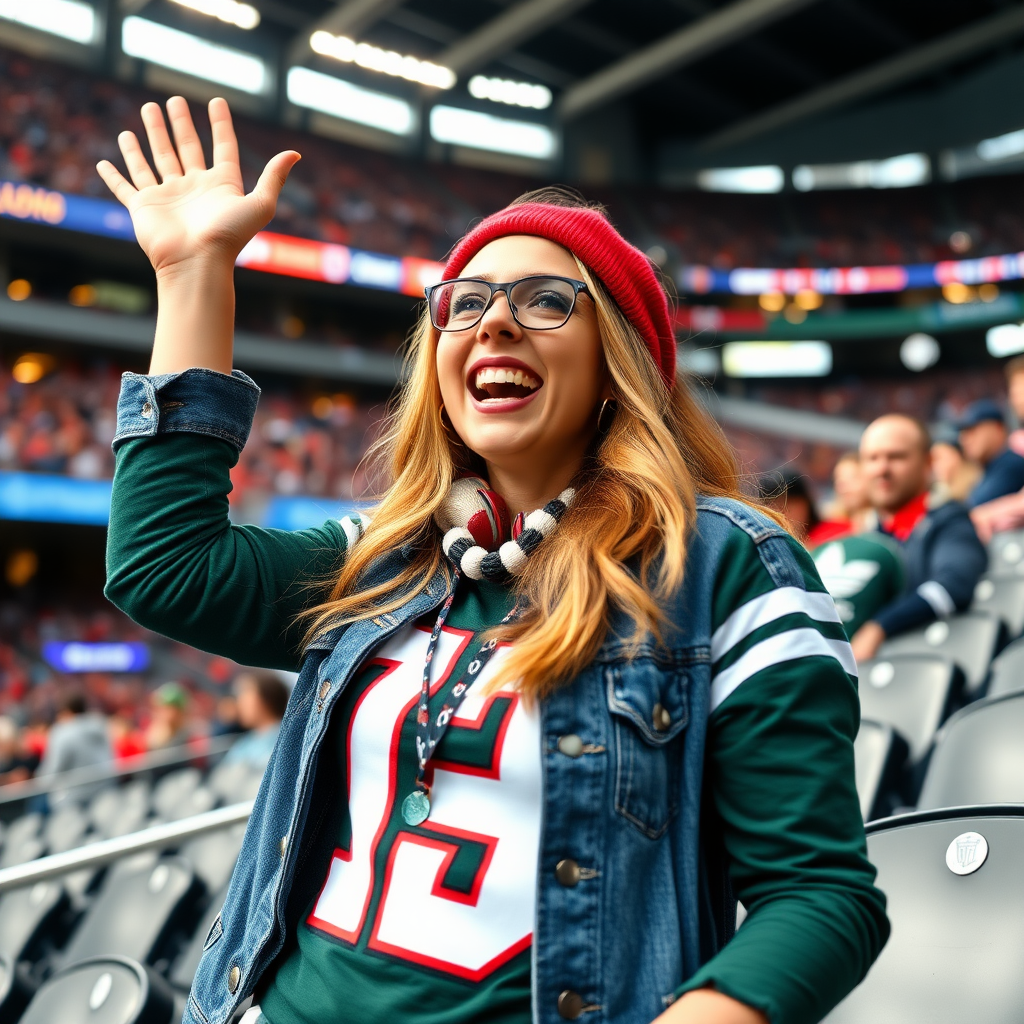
126,739
1014,371
225,721
789,494
942,554
983,438
168,725
851,503
955,476
17,763
78,739
262,699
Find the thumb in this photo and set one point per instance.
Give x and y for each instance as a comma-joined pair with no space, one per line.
271,181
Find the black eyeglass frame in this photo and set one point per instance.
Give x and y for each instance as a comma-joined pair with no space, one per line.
506,287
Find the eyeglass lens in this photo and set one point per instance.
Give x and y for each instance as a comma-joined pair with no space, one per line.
538,302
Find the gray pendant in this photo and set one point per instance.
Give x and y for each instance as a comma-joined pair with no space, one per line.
416,807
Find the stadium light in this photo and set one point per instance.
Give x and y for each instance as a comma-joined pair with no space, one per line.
1005,340
515,94
182,51
919,351
230,11
903,171
71,19
761,179
1002,146
777,358
388,62
461,127
334,96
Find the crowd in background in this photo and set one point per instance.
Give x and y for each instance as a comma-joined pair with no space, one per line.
56,122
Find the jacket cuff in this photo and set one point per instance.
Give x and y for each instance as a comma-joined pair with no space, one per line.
195,401
904,614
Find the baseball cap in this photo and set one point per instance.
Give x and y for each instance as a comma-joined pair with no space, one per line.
981,411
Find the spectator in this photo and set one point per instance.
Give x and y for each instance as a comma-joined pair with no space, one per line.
225,719
167,728
16,763
1014,371
983,438
79,738
789,494
942,554
262,699
953,473
851,502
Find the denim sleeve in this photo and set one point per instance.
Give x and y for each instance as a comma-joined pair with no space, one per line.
195,401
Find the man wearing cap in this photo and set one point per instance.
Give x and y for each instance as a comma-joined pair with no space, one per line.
983,438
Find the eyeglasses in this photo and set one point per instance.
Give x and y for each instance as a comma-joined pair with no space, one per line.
537,303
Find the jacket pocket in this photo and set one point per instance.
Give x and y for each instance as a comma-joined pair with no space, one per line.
649,707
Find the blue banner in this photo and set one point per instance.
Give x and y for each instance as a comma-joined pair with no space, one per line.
78,656
46,498
299,513
21,201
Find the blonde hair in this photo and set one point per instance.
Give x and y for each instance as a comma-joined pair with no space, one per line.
636,505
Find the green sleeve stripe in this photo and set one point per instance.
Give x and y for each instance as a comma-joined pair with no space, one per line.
792,645
768,607
783,624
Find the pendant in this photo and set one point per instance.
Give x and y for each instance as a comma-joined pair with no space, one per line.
416,807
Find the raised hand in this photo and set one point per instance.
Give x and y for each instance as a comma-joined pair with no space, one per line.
193,215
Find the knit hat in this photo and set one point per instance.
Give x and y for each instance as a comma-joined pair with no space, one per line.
623,269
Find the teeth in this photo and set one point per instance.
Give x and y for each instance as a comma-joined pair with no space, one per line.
503,375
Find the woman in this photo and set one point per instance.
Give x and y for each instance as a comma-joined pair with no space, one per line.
485,803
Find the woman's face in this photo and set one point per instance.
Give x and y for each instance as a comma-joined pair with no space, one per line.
539,429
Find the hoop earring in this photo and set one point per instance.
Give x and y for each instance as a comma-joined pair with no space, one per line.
610,406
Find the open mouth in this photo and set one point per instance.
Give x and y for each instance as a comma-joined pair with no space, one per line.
497,383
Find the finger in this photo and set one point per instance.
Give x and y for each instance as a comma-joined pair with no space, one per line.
190,149
225,144
164,157
135,160
271,181
115,181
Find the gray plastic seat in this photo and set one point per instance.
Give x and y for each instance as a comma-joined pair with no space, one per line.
957,938
234,782
911,693
22,851
978,756
1006,553
1003,597
173,791
1007,671
26,913
102,990
65,829
185,967
118,810
878,755
970,640
27,826
137,906
213,855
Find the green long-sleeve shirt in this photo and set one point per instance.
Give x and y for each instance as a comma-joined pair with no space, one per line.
780,750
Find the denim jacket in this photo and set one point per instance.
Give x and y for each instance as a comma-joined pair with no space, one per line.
624,793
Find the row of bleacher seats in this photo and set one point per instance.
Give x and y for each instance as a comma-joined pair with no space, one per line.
943,713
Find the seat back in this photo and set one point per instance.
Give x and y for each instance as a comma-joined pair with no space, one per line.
956,901
65,829
909,692
187,964
102,990
118,810
234,782
25,913
1007,671
1002,596
970,640
136,907
213,855
978,756
1006,553
878,756
174,791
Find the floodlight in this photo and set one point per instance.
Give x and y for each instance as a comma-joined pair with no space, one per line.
761,179
1005,340
334,96
515,94
461,127
182,51
777,358
902,171
919,351
1002,146
71,19
231,11
388,62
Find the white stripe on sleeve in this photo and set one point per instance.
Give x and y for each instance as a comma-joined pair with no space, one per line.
938,598
767,608
789,646
353,528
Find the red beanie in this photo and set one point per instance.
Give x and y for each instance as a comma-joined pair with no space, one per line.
623,269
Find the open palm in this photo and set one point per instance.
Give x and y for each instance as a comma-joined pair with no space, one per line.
193,212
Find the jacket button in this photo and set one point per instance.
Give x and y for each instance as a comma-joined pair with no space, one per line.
147,410
325,688
282,846
570,1005
571,745
662,718
568,873
234,977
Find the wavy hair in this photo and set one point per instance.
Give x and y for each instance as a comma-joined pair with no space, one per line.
622,544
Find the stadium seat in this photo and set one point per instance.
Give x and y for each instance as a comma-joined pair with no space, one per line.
912,694
879,754
65,829
14,994
25,914
136,909
1003,597
102,990
978,756
956,901
235,782
118,810
187,964
971,640
213,856
173,792
1006,553
1007,671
